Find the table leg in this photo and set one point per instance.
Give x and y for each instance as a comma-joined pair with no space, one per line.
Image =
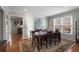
39,43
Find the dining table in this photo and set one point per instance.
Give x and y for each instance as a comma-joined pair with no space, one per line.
41,38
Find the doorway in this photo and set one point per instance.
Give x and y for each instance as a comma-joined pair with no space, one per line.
16,31
16,26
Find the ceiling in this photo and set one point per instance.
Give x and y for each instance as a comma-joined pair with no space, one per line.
41,10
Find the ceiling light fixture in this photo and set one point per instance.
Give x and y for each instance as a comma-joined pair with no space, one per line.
65,6
25,9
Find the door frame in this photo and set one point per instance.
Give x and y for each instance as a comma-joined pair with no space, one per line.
10,23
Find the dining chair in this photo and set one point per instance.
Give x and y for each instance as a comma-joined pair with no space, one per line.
34,40
49,37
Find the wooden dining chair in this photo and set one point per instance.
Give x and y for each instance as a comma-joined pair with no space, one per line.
34,40
49,37
56,38
44,41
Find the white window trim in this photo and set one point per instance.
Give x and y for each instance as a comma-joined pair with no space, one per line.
71,24
54,24
62,24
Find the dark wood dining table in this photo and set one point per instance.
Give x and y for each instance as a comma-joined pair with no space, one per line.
41,37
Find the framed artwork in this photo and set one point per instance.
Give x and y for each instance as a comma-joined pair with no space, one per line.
38,23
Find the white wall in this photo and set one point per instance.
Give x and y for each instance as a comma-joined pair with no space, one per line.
5,26
28,25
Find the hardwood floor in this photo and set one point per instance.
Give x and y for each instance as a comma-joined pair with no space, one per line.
74,48
14,47
3,46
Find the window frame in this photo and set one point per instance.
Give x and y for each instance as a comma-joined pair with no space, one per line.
71,24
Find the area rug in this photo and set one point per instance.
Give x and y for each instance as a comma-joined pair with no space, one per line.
61,47
26,46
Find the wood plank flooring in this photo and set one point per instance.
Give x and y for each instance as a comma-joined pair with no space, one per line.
74,48
14,46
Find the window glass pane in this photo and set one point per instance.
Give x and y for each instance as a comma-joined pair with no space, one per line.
58,24
67,25
51,24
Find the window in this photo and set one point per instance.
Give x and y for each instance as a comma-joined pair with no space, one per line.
50,24
58,24
64,24
67,24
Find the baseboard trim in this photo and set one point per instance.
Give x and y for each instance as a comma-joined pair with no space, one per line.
68,39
